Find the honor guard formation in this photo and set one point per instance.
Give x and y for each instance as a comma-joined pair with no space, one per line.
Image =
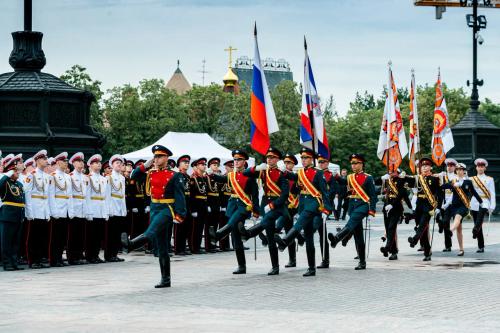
73,210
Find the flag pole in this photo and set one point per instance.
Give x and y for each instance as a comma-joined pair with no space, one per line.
386,122
310,112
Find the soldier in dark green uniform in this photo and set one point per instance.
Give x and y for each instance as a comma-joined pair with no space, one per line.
243,203
313,202
362,202
11,214
273,203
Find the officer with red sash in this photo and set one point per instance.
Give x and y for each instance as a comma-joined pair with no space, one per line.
286,221
168,205
273,203
429,198
362,202
313,202
243,203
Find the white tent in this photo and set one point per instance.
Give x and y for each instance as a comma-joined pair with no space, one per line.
195,145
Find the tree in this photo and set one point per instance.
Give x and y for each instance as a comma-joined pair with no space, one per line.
77,76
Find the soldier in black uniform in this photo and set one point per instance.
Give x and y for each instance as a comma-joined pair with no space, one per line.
11,214
181,231
342,200
213,201
429,198
198,202
395,192
225,194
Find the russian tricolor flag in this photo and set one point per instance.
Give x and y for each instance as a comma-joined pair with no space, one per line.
312,129
263,120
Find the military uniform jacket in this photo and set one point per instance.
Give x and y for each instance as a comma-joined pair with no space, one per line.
467,189
164,184
186,183
395,192
115,194
96,197
446,177
331,184
249,187
489,184
213,193
37,192
61,192
225,193
306,201
274,200
79,190
198,189
342,185
12,195
368,185
422,199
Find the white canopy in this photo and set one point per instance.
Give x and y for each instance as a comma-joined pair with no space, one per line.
196,145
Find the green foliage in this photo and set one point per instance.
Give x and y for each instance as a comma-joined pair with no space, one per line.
132,117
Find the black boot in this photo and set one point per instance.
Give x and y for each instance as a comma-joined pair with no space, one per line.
361,265
412,241
215,236
132,244
311,261
291,255
251,232
273,252
263,239
283,242
240,257
334,239
300,239
393,256
384,251
165,272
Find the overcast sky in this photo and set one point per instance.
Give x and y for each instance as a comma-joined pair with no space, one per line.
350,41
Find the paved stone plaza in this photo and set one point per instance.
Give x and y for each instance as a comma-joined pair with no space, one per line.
450,294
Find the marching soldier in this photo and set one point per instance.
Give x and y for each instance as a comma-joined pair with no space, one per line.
182,230
198,203
286,221
463,190
213,201
97,209
313,202
445,217
395,193
11,213
117,210
362,203
225,194
37,195
429,198
243,203
78,204
168,206
61,210
485,187
332,189
272,206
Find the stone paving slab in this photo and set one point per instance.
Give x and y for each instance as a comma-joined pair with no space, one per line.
449,294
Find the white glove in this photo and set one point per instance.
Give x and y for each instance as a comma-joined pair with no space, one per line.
147,209
176,221
135,210
456,184
402,174
388,208
223,209
324,216
267,209
490,210
209,209
149,163
437,211
194,214
88,217
260,167
209,171
9,173
385,177
446,205
282,168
